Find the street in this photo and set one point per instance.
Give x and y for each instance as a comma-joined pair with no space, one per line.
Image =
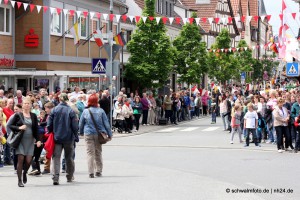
191,161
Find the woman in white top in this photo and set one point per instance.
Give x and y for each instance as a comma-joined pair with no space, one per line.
281,119
223,111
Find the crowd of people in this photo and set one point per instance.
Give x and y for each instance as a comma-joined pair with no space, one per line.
270,116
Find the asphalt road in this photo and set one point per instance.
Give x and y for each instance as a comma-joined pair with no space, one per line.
191,161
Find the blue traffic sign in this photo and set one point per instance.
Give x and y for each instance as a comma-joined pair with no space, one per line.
243,75
99,66
292,69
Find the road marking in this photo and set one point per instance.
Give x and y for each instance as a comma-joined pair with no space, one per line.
189,129
167,130
210,129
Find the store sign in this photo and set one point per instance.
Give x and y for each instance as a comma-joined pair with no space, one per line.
7,63
31,40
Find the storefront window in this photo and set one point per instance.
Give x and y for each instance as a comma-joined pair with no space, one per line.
88,83
40,83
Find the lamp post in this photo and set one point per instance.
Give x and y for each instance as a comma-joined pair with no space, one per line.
110,38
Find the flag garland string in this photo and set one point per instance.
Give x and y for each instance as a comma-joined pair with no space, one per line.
136,19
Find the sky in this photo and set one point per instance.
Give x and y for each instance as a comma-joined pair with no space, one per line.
273,7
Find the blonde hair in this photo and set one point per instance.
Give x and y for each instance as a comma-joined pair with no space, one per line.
236,107
250,105
27,100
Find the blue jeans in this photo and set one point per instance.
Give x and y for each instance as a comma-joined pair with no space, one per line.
225,121
213,117
253,131
6,153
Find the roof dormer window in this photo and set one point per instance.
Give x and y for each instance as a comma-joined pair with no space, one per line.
202,1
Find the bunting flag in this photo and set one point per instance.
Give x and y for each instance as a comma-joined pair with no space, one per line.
118,18
12,3
282,30
92,14
111,17
39,8
98,38
171,19
32,7
75,32
72,12
105,16
124,17
144,19
119,39
131,18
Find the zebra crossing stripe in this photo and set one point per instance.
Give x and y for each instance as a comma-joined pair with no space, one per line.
189,129
168,130
210,129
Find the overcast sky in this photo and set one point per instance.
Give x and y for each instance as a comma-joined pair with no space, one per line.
273,7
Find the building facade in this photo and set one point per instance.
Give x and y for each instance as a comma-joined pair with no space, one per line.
37,50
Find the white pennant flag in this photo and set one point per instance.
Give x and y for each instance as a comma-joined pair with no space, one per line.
253,47
171,19
249,19
65,11
245,48
118,18
197,20
237,49
210,20
223,20
0,1
131,18
105,16
144,19
229,49
237,19
12,3
25,6
38,8
78,12
214,50
262,18
92,14
184,20
52,10
222,50
157,20
261,46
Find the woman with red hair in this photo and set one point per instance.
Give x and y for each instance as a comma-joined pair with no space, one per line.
87,127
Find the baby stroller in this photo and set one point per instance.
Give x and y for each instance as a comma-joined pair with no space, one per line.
117,125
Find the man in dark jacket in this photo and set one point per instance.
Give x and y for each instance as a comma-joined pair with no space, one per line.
105,105
64,124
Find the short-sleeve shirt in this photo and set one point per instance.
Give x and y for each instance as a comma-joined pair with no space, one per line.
250,118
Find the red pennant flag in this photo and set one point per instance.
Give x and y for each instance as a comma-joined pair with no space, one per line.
226,50
229,20
294,15
85,14
32,7
124,17
177,19
217,19
164,19
137,19
243,18
257,46
98,15
111,17
281,17
204,19
45,8
191,20
151,18
233,49
19,4
268,17
5,1
256,18
58,11
72,12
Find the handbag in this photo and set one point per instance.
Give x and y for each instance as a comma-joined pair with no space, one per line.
15,137
102,137
135,111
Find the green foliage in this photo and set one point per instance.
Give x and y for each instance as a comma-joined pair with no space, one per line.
190,59
151,53
267,64
222,66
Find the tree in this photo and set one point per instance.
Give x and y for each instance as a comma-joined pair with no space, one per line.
266,63
191,53
151,53
222,65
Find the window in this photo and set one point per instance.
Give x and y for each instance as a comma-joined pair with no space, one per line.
158,6
69,22
5,21
83,27
166,8
170,14
56,24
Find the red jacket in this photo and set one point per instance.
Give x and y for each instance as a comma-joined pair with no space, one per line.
8,112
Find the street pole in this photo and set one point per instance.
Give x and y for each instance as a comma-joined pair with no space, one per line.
111,62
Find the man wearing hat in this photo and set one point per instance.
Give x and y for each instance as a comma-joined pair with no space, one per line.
63,123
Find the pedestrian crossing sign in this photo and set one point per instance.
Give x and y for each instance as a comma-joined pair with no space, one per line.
292,69
99,66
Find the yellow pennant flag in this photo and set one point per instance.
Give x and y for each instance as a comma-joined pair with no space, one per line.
75,32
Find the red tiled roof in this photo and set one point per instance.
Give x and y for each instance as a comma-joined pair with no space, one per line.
235,6
253,12
203,10
140,3
244,4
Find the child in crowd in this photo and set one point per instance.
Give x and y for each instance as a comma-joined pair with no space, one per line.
36,110
213,113
2,138
250,124
236,123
